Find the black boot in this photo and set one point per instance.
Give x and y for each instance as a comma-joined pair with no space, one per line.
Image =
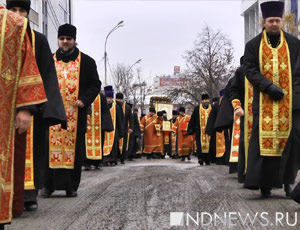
265,192
188,157
288,190
200,161
71,194
46,193
1,226
182,158
30,206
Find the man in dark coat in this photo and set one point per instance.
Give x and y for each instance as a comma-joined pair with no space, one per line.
77,74
210,128
271,86
238,96
195,126
135,137
128,127
51,113
111,142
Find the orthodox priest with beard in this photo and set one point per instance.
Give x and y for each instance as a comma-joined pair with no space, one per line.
51,113
197,125
269,62
79,86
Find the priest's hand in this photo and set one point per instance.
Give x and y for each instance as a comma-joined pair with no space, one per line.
239,112
23,121
79,104
130,131
275,92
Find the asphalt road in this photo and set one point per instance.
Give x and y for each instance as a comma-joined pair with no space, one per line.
142,194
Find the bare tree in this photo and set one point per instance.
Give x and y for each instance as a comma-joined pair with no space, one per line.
132,84
209,67
123,77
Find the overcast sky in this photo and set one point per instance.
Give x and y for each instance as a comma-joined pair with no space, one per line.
158,32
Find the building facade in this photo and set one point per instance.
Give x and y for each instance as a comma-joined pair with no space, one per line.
47,15
253,18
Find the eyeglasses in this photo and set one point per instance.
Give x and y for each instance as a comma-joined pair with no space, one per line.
63,38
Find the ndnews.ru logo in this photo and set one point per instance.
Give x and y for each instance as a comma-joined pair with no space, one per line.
232,219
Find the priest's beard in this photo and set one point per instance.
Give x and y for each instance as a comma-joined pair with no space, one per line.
67,52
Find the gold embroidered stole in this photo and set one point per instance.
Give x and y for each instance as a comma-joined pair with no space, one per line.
248,118
205,139
29,167
62,143
235,139
93,138
275,117
220,144
109,137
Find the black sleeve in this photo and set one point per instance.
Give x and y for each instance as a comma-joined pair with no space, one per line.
31,108
93,82
137,128
192,123
120,121
53,110
252,71
237,85
210,125
106,121
130,118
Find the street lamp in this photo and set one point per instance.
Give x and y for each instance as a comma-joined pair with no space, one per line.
120,24
138,61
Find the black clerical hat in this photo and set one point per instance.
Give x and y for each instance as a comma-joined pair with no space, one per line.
204,96
182,109
67,30
25,4
272,9
119,96
152,109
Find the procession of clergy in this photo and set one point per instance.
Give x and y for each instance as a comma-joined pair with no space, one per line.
60,122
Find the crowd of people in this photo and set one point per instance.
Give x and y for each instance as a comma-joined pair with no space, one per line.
54,119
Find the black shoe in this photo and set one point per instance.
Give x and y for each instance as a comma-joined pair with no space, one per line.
200,162
87,168
1,226
265,193
30,206
163,157
130,159
46,193
288,189
148,157
189,158
182,158
122,162
71,194
207,163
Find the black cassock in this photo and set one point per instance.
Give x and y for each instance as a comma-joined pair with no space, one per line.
210,130
194,127
89,87
224,122
268,172
238,92
119,133
134,139
51,113
128,124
